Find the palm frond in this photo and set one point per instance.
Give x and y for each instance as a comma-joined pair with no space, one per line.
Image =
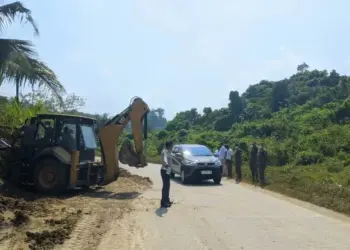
11,49
26,70
10,12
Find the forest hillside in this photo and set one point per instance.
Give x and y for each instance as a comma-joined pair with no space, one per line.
303,121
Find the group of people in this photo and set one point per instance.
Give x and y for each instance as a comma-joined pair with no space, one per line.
227,156
257,162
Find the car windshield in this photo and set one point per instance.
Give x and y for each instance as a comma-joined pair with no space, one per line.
89,136
197,151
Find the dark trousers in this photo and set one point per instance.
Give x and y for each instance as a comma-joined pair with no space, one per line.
229,168
238,169
262,173
166,187
254,170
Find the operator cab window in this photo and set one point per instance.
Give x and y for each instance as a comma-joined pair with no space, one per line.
68,136
88,137
45,130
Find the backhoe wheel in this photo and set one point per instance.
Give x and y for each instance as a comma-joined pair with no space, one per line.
50,176
5,173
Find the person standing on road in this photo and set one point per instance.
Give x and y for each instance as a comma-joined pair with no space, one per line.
238,163
253,162
222,155
262,163
216,153
165,173
229,163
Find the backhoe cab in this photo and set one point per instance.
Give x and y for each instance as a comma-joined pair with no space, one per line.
57,152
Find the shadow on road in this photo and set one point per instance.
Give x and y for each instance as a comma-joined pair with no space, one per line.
110,195
161,211
196,183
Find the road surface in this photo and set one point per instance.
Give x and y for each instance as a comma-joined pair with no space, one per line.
228,216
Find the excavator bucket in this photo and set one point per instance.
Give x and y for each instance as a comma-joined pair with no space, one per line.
128,156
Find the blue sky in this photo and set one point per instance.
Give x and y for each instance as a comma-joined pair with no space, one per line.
182,54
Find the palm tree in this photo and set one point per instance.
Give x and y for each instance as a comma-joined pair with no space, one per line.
18,59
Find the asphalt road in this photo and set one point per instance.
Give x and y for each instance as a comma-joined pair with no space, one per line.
229,216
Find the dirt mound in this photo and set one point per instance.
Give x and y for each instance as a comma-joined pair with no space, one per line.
31,220
135,178
60,231
19,218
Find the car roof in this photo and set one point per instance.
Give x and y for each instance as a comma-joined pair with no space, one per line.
190,145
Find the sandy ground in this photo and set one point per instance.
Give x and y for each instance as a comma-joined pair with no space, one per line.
76,220
228,216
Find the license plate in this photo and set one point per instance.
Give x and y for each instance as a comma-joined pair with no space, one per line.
206,172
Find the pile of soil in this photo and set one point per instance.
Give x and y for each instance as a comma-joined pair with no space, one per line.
29,220
24,220
135,178
59,231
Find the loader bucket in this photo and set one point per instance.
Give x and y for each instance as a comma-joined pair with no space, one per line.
128,156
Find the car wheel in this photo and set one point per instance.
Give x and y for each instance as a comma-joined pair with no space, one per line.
183,177
217,179
172,175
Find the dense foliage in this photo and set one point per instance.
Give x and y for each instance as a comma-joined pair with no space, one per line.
303,122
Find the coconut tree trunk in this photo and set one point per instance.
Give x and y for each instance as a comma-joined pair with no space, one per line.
17,92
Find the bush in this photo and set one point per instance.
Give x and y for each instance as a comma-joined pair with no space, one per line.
162,134
308,158
13,115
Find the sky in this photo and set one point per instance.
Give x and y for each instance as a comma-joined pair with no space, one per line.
181,54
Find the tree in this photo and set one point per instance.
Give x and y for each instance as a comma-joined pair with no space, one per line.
280,96
207,111
302,67
156,120
70,103
236,106
18,59
160,112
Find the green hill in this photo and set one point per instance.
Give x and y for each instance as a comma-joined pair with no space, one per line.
303,122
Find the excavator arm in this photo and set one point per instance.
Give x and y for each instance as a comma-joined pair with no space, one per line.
109,135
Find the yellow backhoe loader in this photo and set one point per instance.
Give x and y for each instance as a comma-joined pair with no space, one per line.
56,152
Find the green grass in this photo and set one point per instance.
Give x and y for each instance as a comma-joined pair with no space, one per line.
312,184
98,152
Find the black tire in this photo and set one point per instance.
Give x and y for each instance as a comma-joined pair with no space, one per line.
217,179
184,180
51,169
5,172
172,175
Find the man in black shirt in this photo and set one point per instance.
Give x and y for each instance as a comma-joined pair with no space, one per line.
238,163
262,163
253,162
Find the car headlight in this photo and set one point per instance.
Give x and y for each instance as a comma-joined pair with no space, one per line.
217,163
188,162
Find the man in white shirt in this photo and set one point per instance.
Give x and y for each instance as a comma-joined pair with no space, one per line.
222,154
229,161
165,173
